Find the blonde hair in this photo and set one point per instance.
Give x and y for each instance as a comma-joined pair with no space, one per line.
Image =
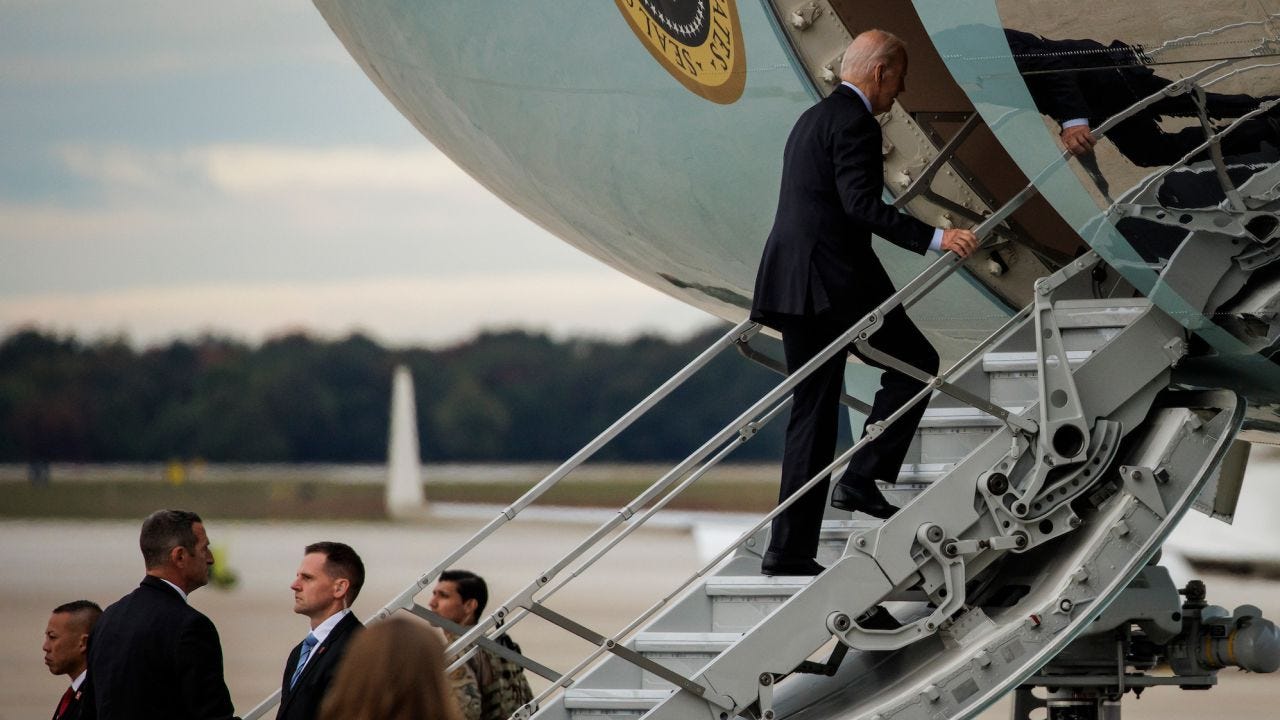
394,670
871,48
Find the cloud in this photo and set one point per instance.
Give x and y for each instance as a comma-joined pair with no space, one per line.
233,213
256,169
139,41
246,170
397,310
128,172
177,167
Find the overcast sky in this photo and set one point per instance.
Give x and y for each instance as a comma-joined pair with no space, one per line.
172,168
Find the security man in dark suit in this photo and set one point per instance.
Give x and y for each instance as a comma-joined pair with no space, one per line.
819,275
326,584
151,655
66,645
1082,83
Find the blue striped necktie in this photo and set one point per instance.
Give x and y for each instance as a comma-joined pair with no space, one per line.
307,644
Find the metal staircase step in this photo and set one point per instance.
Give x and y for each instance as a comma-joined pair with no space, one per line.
684,652
920,474
1015,376
672,642
754,586
738,603
610,704
959,417
1098,313
1022,362
947,435
843,529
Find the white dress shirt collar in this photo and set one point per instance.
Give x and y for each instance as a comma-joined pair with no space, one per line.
322,630
863,97
75,684
175,587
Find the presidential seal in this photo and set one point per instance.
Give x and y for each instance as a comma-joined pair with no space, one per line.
698,41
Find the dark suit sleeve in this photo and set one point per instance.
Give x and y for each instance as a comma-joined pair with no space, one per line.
200,671
1053,82
859,172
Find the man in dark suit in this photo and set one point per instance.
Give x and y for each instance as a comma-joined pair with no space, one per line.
1082,83
66,645
151,655
819,275
327,582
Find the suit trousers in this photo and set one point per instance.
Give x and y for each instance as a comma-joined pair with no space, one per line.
814,420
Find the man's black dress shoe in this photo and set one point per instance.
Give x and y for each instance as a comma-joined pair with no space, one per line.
862,497
778,566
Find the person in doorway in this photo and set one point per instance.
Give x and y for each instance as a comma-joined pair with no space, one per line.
1083,83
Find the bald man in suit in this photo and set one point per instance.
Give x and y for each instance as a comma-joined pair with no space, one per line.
819,275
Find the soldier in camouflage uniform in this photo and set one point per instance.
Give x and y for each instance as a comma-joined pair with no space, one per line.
466,692
487,687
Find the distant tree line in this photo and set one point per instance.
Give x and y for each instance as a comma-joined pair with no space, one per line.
501,396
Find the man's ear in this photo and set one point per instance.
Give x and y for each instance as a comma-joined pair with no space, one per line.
83,644
471,606
341,586
178,556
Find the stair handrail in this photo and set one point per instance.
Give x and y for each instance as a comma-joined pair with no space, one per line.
568,677
761,411
911,293
920,286
562,581
741,332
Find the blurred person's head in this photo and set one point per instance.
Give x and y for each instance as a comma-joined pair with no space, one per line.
176,548
327,581
460,596
394,670
66,637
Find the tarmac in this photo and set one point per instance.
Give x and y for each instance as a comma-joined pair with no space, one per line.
46,563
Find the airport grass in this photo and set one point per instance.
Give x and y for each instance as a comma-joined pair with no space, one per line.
239,499
259,499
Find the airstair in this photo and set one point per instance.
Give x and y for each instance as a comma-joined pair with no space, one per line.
1005,551
1052,462
997,561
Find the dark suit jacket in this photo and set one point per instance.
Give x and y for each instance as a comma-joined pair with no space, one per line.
153,656
818,256
1085,79
303,701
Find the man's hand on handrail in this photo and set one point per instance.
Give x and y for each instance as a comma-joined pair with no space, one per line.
1078,140
959,241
